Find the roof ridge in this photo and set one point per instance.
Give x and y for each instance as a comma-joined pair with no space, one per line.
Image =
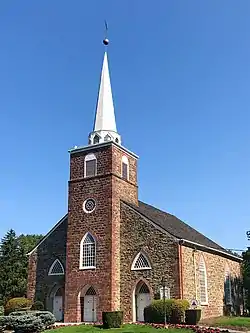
185,223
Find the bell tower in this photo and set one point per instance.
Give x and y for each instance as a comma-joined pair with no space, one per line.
101,175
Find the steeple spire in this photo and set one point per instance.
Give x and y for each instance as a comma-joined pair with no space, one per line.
105,124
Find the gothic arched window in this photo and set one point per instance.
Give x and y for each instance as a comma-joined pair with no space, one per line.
90,165
96,139
125,168
88,252
140,262
227,286
56,268
203,282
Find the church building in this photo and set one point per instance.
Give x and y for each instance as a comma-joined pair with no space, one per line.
112,251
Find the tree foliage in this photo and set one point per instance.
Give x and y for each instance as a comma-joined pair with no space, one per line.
246,277
14,264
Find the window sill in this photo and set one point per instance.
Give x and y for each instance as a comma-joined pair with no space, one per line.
89,267
204,303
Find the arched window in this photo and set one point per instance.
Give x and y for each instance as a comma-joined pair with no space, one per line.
96,139
90,165
56,268
88,252
125,168
107,137
203,282
227,286
140,262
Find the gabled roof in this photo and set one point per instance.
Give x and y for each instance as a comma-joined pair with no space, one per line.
173,225
180,230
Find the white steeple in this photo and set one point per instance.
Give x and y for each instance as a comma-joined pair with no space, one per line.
105,125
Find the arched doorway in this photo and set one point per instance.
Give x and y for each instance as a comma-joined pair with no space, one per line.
142,298
88,305
58,304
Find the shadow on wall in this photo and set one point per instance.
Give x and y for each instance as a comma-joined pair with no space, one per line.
233,297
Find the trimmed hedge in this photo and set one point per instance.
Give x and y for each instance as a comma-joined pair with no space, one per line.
16,304
175,311
1,310
112,319
37,305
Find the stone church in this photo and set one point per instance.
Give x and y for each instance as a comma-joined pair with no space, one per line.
112,251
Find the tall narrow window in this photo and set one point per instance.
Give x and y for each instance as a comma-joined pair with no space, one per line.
140,262
88,252
228,287
90,165
96,139
56,268
203,282
125,168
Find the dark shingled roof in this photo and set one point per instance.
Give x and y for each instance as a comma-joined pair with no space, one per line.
174,226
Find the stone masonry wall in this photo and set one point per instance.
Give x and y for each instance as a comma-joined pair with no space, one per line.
31,286
40,285
215,269
126,190
139,234
106,188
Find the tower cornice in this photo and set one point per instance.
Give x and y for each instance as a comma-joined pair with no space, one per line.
80,149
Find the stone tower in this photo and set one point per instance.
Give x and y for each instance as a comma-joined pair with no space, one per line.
101,175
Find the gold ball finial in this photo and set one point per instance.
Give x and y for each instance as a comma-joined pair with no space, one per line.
106,41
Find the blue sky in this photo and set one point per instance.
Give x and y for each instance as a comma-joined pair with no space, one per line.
180,74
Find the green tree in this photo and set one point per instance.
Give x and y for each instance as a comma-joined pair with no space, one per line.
246,277
14,264
28,242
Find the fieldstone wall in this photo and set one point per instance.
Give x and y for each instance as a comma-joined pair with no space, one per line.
41,286
138,234
215,270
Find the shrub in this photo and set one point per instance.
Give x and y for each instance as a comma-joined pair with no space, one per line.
1,310
27,323
112,319
175,311
15,304
7,322
48,319
178,311
37,305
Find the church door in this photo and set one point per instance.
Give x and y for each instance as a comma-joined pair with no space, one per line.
89,314
58,305
143,299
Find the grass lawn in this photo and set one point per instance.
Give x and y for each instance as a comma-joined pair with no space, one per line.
125,329
237,323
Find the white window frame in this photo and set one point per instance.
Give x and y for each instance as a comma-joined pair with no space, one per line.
133,268
125,161
202,269
81,252
90,157
167,292
53,265
228,276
